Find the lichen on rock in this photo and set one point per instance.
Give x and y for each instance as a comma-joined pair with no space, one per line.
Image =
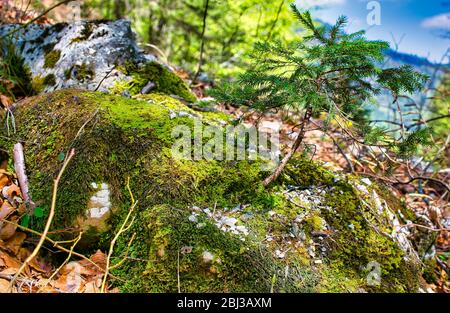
91,55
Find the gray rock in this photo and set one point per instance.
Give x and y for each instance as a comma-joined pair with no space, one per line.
81,54
148,87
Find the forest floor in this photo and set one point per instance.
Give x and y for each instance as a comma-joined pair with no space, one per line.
40,276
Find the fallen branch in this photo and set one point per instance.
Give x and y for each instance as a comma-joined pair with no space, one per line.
425,227
19,167
443,184
49,220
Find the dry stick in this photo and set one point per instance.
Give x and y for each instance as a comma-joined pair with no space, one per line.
82,128
294,149
19,167
341,151
37,17
123,228
49,220
62,265
126,253
425,227
112,244
58,246
443,184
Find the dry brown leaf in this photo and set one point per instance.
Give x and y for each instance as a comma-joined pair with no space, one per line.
39,266
6,209
71,282
48,289
5,101
22,208
8,230
11,191
4,285
14,243
91,287
9,261
4,179
99,258
9,271
35,263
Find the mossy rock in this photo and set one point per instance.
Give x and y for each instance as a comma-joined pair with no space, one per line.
164,80
123,143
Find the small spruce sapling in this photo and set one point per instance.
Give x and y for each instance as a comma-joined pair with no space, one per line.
327,71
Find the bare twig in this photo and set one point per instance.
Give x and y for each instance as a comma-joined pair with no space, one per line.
57,245
62,265
202,46
425,227
341,151
123,228
118,264
440,182
36,18
49,219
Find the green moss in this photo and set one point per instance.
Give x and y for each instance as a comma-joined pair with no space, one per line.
13,70
38,84
83,72
49,80
85,33
166,81
314,223
49,47
68,73
359,243
302,172
335,278
50,58
233,268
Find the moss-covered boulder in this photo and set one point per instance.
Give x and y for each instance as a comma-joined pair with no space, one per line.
205,225
93,55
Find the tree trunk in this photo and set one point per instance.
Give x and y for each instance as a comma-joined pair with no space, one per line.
202,46
118,9
272,177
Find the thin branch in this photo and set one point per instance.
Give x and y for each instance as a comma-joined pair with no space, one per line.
58,246
350,164
64,263
118,264
37,18
49,220
202,47
123,228
443,184
280,7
